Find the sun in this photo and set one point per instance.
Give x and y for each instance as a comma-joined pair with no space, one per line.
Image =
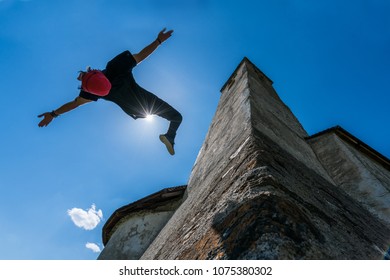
149,118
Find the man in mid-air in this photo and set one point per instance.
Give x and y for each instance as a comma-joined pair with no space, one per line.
116,83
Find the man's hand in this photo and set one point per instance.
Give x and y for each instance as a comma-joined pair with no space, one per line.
163,36
47,118
145,52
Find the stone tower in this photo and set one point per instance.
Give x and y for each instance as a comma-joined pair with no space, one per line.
261,188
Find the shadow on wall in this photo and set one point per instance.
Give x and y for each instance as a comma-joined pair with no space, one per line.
265,227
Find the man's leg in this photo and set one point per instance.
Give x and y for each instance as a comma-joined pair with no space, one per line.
159,107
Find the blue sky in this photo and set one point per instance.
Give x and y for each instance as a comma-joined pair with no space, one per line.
329,60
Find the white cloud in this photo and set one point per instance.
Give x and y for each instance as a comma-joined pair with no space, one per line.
87,220
93,246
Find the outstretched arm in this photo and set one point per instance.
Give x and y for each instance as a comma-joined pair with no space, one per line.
145,52
49,116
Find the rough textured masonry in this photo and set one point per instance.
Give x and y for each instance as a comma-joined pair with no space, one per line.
261,188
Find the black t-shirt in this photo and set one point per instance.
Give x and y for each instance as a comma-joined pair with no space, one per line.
123,86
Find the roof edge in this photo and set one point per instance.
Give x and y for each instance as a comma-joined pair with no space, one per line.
156,198
356,143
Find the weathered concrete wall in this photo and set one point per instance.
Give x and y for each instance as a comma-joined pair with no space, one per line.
131,229
270,116
258,191
134,235
362,178
230,129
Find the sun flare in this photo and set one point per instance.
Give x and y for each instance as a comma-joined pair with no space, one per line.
149,118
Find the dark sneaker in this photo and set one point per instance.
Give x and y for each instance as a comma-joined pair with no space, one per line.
168,143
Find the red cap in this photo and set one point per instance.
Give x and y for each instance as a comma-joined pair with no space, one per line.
96,82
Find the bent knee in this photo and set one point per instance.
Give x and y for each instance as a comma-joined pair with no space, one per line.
175,116
179,117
